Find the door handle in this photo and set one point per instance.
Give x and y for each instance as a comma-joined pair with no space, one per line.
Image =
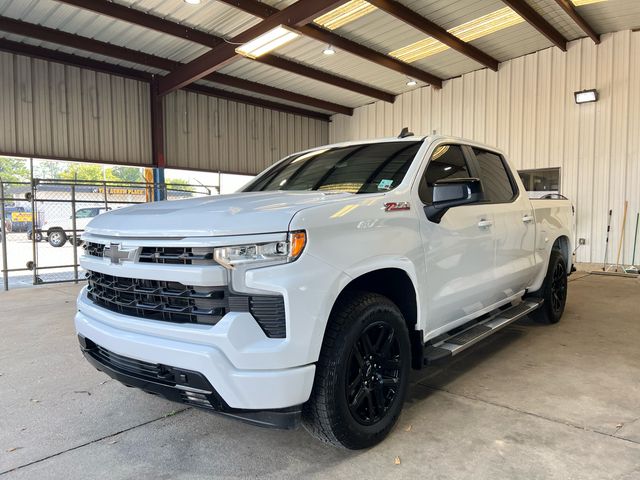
485,223
527,218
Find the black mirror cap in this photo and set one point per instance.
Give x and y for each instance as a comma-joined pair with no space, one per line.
450,193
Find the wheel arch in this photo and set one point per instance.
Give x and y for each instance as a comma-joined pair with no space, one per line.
397,285
562,245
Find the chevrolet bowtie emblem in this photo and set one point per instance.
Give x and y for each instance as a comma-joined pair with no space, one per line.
118,254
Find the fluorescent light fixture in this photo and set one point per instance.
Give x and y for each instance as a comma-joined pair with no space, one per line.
344,14
329,50
274,38
480,27
411,82
586,96
192,2
578,3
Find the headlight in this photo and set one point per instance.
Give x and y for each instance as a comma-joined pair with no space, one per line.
258,253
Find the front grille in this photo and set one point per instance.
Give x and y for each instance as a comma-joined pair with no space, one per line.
178,303
164,255
158,300
94,249
177,255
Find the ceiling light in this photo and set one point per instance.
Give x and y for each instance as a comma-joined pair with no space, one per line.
480,27
274,38
344,14
578,3
329,50
411,82
586,96
192,2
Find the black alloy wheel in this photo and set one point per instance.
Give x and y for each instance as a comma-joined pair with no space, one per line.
362,374
373,373
558,288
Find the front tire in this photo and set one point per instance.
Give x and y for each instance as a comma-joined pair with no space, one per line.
553,291
362,374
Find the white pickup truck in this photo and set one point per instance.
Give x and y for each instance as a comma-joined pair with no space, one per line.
59,230
309,296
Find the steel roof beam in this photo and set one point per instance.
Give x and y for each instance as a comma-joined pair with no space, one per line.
143,19
426,26
325,77
299,13
263,10
577,18
105,67
138,17
538,22
73,60
160,63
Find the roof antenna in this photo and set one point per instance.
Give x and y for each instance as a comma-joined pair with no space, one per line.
405,133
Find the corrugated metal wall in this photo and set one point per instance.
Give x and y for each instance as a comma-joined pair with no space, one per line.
52,110
205,133
527,109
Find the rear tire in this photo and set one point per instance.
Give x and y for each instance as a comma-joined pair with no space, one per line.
57,238
553,291
362,374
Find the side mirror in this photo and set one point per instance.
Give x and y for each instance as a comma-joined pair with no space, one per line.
452,193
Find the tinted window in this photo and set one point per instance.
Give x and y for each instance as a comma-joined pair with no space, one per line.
446,162
356,169
87,212
495,180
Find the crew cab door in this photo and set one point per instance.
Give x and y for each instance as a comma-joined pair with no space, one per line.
460,250
513,223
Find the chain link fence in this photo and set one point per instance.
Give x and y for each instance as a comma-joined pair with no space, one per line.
43,220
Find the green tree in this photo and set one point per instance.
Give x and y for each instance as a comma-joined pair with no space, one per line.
86,171
179,184
127,174
13,170
48,169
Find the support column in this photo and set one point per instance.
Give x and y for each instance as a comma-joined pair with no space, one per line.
157,141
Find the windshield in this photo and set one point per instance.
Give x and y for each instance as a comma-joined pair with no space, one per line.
368,168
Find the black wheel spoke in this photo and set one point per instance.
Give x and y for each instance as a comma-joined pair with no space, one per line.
386,346
355,384
390,382
379,398
370,404
380,339
390,363
373,373
360,396
366,344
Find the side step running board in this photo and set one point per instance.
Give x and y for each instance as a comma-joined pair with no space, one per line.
462,340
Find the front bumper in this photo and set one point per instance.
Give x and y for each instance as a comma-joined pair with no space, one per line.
182,386
241,388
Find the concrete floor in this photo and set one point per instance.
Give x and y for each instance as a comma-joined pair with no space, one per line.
531,402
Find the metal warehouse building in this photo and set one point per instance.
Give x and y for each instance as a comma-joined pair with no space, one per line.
388,114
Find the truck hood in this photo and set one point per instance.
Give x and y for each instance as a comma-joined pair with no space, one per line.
223,215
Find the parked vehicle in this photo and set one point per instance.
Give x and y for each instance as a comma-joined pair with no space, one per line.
60,230
38,233
310,295
17,218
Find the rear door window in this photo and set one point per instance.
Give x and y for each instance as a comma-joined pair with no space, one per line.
496,181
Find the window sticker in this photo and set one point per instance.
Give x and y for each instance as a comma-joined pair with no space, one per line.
385,184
